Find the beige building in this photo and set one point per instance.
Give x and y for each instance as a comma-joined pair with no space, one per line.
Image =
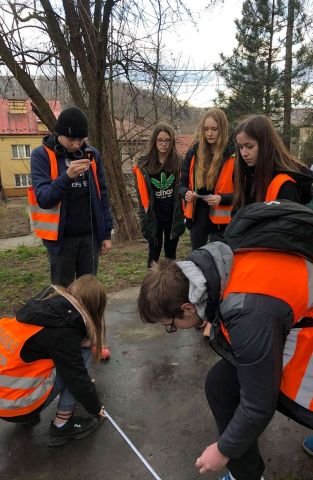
20,132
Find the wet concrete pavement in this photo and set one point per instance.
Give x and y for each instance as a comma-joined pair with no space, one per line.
153,387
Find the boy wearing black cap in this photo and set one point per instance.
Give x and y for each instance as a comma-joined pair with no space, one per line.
69,199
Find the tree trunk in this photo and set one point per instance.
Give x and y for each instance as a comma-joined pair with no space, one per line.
41,107
269,64
288,74
103,137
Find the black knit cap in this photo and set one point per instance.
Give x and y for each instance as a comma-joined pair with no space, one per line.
72,122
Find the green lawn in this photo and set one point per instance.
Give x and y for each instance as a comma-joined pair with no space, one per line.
25,271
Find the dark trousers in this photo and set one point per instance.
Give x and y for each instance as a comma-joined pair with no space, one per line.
243,399
202,228
78,256
223,394
155,245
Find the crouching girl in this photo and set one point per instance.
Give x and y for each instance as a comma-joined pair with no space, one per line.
45,352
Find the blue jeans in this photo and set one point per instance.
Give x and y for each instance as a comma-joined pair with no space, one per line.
66,401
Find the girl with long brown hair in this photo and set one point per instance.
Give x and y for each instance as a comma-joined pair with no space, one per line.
47,351
206,182
265,169
157,176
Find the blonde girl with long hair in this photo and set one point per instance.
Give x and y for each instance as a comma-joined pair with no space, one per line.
47,355
206,183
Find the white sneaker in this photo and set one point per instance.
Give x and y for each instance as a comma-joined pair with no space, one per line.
229,476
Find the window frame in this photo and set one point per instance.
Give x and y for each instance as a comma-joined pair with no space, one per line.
26,150
24,180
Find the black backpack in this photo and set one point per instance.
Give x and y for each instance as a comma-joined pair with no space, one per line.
277,225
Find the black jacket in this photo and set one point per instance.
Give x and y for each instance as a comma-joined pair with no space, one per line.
299,192
148,220
60,340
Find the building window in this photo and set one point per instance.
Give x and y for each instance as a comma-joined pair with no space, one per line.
22,180
21,151
17,106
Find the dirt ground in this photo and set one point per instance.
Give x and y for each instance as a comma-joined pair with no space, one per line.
14,220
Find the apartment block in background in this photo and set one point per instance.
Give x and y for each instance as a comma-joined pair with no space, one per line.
20,132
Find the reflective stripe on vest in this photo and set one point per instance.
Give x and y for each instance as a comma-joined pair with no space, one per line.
45,220
142,188
221,214
275,186
297,377
23,386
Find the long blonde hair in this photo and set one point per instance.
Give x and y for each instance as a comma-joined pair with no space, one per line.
90,295
206,174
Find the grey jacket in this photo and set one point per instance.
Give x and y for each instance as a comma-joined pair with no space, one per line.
257,325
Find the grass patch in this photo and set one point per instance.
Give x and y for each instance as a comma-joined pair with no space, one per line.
25,271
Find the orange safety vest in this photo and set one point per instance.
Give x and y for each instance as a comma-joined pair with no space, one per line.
251,271
189,206
142,187
220,214
23,386
262,272
256,272
275,186
46,220
297,376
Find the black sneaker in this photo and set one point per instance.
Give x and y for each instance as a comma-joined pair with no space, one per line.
76,427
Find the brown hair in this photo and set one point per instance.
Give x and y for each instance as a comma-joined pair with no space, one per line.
150,159
163,291
90,293
272,156
206,174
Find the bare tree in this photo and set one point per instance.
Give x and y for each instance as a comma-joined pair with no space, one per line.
89,43
288,73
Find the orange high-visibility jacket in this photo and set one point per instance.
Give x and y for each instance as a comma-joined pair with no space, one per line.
46,220
142,188
23,386
220,214
260,272
275,186
252,272
297,376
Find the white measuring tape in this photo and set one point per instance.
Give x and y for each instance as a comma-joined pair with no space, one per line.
132,446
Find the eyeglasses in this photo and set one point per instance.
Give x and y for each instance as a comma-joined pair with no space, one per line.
167,141
171,327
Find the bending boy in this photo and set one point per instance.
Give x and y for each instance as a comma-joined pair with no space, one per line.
252,303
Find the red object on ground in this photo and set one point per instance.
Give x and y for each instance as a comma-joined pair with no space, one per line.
106,354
